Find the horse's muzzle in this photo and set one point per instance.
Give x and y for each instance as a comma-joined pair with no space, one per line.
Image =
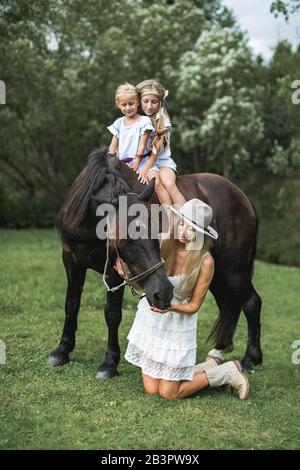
160,297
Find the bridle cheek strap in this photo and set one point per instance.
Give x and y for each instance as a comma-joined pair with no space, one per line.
127,279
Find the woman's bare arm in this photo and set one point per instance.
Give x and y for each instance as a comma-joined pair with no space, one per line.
199,292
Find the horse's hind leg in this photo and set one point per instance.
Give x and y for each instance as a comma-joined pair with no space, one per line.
251,306
76,277
113,317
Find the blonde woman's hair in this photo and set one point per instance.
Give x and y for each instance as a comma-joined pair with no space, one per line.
125,89
193,261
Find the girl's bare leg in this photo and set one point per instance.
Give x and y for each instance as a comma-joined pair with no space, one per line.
171,390
151,385
163,197
168,180
161,192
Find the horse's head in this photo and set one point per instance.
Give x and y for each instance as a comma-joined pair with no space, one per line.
140,249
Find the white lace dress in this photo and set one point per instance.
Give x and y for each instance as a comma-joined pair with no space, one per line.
163,345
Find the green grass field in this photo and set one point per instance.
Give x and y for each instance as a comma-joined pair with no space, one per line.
67,408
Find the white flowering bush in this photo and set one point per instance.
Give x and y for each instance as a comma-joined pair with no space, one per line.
229,130
219,109
285,161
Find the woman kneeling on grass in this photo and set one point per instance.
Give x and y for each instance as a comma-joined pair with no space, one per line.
163,342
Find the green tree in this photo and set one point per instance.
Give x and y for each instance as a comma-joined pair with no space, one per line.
220,124
281,116
61,62
285,7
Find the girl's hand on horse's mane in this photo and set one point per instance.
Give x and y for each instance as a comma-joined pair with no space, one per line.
143,176
135,164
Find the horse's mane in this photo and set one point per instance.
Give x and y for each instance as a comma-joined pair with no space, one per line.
100,169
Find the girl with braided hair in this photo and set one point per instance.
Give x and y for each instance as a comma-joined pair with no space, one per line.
159,163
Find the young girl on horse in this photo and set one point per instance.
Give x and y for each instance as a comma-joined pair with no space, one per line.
131,132
160,163
163,342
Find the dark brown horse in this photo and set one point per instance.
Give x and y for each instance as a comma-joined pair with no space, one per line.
103,180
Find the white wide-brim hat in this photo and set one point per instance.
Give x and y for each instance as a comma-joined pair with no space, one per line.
198,214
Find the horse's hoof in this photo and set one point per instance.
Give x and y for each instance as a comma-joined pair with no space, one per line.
58,360
247,367
107,373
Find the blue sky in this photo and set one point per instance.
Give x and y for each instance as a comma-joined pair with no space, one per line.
264,30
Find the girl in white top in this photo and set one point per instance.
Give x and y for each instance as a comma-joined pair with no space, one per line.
163,342
130,133
159,164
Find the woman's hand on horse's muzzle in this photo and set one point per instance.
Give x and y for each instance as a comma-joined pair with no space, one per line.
158,310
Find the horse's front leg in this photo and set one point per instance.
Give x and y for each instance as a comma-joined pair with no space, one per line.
76,277
113,317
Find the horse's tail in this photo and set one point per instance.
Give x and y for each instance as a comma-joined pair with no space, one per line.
92,177
225,325
228,298
229,313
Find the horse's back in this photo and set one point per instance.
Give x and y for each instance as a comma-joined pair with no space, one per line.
234,216
221,194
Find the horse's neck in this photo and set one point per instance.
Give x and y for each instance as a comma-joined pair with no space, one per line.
128,175
131,179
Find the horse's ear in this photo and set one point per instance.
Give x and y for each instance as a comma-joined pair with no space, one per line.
146,195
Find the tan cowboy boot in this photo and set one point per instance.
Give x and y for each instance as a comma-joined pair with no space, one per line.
213,358
229,373
207,364
215,353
